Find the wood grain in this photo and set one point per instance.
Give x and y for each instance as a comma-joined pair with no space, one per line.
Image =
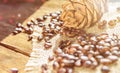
18,41
10,59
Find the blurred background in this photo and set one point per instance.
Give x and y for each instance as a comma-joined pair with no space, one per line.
14,11
114,0
17,10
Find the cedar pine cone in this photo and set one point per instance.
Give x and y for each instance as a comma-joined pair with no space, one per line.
80,14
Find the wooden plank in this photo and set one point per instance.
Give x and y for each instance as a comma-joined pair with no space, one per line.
14,49
11,59
18,41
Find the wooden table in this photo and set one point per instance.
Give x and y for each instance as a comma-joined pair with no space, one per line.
15,50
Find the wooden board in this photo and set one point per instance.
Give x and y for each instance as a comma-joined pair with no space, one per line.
17,48
18,44
20,41
11,59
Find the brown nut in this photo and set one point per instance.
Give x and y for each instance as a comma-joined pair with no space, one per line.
40,19
39,38
44,67
105,69
78,63
61,70
86,47
19,25
94,64
45,17
53,15
72,50
51,58
87,63
69,70
40,24
47,45
113,58
28,30
58,51
83,43
29,24
99,57
56,65
14,70
115,52
59,59
68,63
18,29
84,58
114,48
15,32
30,37
105,61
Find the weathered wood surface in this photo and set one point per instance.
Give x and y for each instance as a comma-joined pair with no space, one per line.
11,59
20,41
16,48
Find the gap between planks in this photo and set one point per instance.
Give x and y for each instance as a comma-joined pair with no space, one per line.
14,49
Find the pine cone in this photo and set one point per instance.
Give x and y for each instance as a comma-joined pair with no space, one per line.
82,14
